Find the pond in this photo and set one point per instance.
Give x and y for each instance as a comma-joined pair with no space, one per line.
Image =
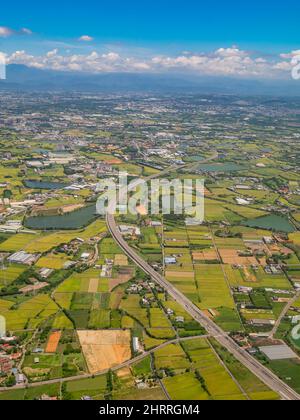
271,222
44,185
221,167
74,220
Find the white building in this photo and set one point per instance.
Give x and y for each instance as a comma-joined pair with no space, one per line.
136,344
2,326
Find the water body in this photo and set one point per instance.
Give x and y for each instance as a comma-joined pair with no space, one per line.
74,220
39,150
221,167
196,158
44,185
272,222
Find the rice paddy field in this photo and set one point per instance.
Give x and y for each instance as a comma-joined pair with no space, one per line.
52,390
94,387
208,377
249,383
30,314
171,357
256,278
131,306
213,289
40,243
10,273
53,261
17,242
185,387
124,387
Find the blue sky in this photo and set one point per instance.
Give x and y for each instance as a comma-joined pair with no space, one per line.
186,22
145,28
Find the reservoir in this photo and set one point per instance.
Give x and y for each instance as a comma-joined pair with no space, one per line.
44,185
74,220
221,167
272,222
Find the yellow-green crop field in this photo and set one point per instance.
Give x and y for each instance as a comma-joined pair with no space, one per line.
213,289
219,383
131,305
17,242
30,313
53,261
9,274
185,387
172,357
237,277
79,282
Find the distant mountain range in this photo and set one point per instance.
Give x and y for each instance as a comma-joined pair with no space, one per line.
20,77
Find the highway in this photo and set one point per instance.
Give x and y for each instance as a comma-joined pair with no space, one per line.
264,374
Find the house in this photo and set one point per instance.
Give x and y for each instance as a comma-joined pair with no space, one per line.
85,256
5,364
46,397
179,319
45,272
23,257
170,260
296,319
135,344
262,322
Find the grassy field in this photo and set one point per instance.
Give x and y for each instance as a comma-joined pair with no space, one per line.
54,261
17,242
131,305
288,371
251,385
42,243
99,319
213,289
183,281
5,305
78,282
150,342
216,211
158,319
185,387
63,299
61,322
237,277
31,313
124,388
10,273
93,387
171,357
219,383
51,390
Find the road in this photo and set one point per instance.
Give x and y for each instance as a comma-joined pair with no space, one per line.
264,374
283,314
103,372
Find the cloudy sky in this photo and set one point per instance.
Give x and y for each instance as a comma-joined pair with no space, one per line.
253,39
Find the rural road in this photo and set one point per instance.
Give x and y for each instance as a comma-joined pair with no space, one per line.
264,374
103,372
283,314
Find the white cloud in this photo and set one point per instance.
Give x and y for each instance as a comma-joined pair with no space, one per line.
230,52
52,53
5,31
85,38
221,62
26,31
290,55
